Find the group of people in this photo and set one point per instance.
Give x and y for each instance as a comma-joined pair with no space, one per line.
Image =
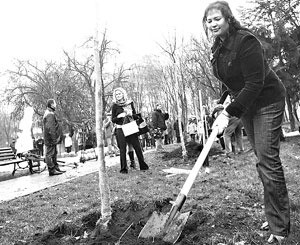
258,101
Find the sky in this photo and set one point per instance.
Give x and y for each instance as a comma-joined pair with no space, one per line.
38,30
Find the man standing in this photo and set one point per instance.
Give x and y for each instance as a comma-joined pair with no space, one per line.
52,137
159,125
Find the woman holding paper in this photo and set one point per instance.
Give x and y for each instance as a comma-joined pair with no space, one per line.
122,112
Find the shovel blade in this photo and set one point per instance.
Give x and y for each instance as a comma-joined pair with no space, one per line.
156,227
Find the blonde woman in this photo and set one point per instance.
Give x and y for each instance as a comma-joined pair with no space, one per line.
122,111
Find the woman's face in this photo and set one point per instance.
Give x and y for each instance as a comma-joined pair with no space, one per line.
119,95
217,24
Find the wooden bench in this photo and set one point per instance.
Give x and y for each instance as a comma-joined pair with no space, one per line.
8,157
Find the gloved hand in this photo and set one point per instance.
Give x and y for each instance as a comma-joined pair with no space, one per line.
221,122
123,114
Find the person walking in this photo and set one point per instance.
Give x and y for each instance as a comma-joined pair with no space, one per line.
258,99
52,137
68,143
122,111
159,125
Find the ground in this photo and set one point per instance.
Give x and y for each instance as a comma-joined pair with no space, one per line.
226,205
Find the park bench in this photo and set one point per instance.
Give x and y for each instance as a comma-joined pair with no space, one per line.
8,157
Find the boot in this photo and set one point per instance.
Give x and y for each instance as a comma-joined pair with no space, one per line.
53,172
58,169
131,157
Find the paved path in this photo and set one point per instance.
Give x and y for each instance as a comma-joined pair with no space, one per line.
25,185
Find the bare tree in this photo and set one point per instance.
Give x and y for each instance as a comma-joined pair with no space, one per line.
99,56
170,50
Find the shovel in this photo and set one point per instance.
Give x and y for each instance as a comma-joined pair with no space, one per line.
168,227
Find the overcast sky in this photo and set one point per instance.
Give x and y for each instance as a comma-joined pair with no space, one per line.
41,29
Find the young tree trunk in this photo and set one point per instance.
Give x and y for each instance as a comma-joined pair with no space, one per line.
103,178
184,152
290,110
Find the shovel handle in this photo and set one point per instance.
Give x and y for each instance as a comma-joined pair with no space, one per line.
194,172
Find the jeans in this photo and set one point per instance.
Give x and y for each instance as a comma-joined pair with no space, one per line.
263,127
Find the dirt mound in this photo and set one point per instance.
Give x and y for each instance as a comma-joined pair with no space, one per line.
127,221
193,151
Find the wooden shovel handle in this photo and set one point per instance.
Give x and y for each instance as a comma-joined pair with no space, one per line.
195,170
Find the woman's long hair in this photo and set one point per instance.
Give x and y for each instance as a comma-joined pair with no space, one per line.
223,6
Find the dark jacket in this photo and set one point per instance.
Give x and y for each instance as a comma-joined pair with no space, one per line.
117,109
159,118
240,64
52,129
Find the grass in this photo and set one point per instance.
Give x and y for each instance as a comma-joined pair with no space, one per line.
226,205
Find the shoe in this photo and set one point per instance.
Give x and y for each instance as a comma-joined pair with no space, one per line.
124,171
54,172
280,239
59,170
264,226
207,170
145,168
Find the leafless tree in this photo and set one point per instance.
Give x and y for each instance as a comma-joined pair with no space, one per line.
99,55
171,50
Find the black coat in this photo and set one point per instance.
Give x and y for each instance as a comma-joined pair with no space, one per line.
158,119
52,130
240,64
117,109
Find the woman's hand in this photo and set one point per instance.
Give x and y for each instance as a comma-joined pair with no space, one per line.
128,112
221,122
123,114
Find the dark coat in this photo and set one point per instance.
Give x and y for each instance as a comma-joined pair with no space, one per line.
240,64
158,119
52,129
117,109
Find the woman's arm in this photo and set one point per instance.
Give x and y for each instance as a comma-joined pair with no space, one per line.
253,71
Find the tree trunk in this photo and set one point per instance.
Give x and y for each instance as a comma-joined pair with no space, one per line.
103,178
290,110
184,152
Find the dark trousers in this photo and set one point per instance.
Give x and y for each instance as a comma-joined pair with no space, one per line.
134,141
41,150
51,157
263,128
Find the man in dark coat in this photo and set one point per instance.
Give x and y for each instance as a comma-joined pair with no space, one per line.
52,137
159,125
